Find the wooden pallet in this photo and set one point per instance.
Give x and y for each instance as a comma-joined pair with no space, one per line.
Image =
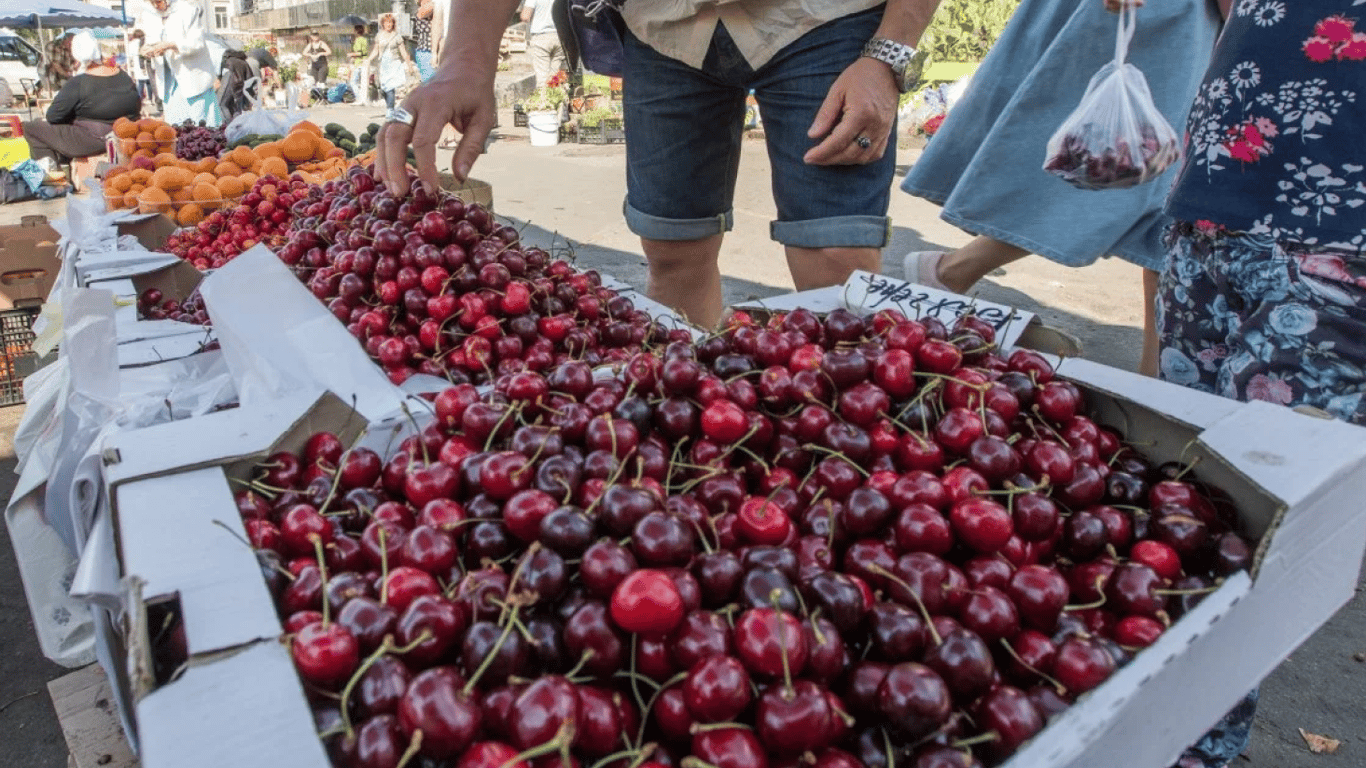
90,720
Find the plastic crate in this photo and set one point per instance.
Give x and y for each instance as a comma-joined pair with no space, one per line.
518,116
16,335
609,131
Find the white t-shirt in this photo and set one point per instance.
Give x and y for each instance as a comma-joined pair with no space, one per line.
541,20
133,50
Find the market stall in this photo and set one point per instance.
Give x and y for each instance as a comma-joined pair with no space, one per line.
376,482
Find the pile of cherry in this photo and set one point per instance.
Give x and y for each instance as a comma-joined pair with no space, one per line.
431,285
154,305
262,215
842,542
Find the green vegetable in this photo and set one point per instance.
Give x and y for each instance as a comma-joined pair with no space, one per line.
332,129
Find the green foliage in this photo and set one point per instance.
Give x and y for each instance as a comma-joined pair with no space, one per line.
596,116
964,30
288,73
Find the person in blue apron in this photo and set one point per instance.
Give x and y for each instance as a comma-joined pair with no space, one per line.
176,33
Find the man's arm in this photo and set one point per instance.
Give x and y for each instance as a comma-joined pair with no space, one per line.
863,101
459,94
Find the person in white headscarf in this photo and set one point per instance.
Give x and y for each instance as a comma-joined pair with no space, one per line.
84,110
176,42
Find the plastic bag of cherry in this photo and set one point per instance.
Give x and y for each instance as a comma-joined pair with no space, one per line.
1116,138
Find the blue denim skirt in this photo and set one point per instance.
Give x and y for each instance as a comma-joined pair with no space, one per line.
985,165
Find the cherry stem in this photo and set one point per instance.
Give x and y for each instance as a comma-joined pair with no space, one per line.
282,571
981,738
1099,587
426,459
697,728
697,762
411,751
635,678
832,452
558,743
587,655
512,409
929,622
774,597
1015,655
488,657
322,572
1200,591
632,753
384,647
383,569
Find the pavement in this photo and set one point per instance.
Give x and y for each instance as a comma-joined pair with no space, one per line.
571,194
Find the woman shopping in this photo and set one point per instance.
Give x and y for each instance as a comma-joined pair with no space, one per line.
176,33
391,52
317,52
985,165
84,111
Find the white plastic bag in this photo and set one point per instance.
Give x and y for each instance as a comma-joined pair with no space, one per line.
1116,138
265,122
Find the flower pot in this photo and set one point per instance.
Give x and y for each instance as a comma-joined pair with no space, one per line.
544,127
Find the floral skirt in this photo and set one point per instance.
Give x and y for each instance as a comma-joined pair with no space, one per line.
1249,318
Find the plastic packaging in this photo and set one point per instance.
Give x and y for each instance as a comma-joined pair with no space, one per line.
1116,138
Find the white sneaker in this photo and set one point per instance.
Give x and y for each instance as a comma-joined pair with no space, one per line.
922,268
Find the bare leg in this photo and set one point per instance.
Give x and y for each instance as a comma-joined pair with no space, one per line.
1147,364
962,268
684,275
819,267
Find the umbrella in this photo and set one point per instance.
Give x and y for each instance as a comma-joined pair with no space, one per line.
36,14
100,33
352,20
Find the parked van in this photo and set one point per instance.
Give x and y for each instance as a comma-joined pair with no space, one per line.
18,60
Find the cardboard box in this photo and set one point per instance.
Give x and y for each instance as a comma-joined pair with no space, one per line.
1297,482
471,190
151,229
29,265
176,279
179,541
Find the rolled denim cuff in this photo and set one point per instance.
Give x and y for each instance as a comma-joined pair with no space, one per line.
834,232
658,228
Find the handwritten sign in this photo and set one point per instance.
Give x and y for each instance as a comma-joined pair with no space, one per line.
869,292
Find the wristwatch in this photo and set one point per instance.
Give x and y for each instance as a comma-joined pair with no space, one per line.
896,55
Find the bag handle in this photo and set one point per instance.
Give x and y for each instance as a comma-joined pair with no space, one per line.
1128,13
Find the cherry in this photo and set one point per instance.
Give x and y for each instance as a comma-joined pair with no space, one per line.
717,689
770,643
1132,590
589,628
701,635
605,564
982,524
1040,594
762,522
436,706
1160,557
795,718
964,661
989,613
548,705
648,603
1008,713
914,699
1081,665
325,654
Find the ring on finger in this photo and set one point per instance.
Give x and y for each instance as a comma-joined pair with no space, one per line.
863,142
399,115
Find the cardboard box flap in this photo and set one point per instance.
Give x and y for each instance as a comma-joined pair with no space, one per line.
29,265
1186,405
150,229
225,437
181,536
244,710
159,261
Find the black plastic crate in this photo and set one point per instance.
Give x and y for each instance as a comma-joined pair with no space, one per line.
518,116
609,131
16,336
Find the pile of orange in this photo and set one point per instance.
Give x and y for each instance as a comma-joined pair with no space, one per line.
187,189
147,137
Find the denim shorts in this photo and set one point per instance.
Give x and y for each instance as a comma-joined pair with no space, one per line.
684,134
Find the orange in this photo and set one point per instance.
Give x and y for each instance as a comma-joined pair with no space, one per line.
204,178
140,176
189,215
164,133
298,146
125,128
243,156
227,168
269,149
274,166
166,158
248,179
154,200
231,187
120,183
207,195
306,125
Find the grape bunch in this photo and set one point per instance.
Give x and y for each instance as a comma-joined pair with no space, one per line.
197,141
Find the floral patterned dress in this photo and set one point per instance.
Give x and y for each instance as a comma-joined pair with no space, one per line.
1264,292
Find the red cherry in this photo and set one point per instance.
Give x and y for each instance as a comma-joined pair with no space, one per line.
326,654
648,603
760,521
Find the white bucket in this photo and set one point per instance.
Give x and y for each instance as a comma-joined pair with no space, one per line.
544,127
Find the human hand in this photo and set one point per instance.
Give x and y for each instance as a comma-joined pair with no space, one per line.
861,103
454,97
1115,6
